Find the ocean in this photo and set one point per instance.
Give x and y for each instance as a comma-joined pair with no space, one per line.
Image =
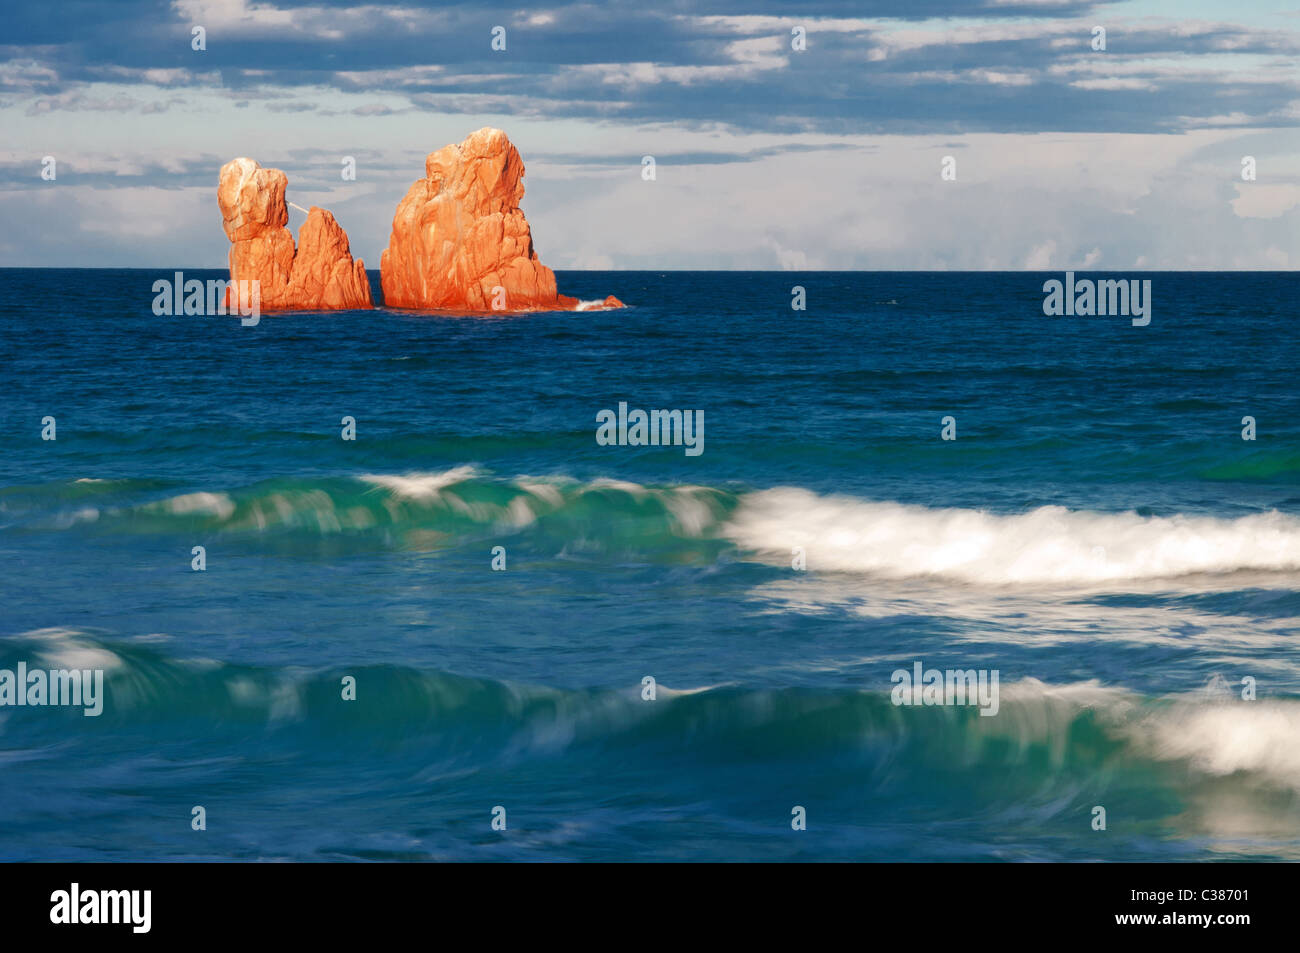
1098,534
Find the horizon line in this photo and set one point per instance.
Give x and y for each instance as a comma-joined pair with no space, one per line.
789,271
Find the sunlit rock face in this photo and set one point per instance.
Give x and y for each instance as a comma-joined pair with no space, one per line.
318,275
460,241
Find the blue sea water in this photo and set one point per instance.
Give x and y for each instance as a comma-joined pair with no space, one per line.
1098,533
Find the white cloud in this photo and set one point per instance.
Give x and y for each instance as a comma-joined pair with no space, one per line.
1263,200
1040,259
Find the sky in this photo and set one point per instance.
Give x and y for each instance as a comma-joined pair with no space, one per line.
765,156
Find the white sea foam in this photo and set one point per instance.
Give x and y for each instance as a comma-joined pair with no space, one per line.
1214,732
421,486
216,504
66,648
692,509
548,492
1047,545
1227,737
606,483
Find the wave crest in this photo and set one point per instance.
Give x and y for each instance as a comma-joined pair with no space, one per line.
1050,544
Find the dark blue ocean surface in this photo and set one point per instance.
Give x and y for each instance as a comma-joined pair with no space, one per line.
1098,533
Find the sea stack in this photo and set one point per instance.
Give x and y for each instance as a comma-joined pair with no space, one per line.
320,275
460,241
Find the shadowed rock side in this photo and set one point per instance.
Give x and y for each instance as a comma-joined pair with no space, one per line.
320,276
459,236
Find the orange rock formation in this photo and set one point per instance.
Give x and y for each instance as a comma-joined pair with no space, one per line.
319,276
460,241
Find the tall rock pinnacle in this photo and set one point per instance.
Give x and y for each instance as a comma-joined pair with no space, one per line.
460,241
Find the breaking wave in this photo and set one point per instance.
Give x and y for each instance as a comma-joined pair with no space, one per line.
1050,544
1080,731
838,534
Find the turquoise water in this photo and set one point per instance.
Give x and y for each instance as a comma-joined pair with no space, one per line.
1098,533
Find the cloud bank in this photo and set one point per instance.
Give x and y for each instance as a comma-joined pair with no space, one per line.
784,136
